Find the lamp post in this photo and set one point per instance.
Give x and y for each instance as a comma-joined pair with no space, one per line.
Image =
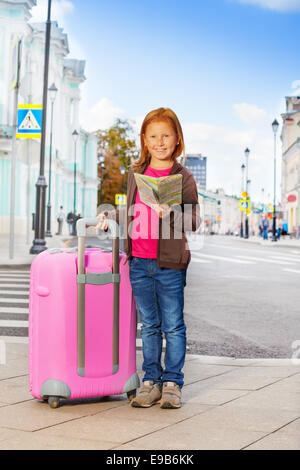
243,171
52,93
102,167
39,243
247,152
122,170
75,136
275,126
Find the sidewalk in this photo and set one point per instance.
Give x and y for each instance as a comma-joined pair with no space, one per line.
283,242
227,404
22,257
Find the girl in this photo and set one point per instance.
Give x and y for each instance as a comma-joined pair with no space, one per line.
158,256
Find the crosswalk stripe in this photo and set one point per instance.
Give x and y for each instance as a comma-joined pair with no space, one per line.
13,324
284,258
12,300
224,258
195,260
292,270
9,309
14,284
14,277
12,292
268,250
15,339
14,272
273,261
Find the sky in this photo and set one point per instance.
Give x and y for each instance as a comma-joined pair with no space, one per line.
224,67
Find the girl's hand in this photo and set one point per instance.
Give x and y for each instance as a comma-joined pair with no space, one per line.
163,210
102,224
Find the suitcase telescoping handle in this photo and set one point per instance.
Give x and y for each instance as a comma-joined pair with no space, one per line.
84,278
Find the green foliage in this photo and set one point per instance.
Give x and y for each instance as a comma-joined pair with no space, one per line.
118,147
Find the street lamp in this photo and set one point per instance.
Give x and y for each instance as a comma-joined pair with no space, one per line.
243,171
52,94
101,159
75,136
39,243
275,126
247,152
122,170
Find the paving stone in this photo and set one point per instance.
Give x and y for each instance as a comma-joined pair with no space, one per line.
102,428
15,390
35,441
195,433
34,415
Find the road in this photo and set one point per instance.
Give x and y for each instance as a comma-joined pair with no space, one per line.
241,300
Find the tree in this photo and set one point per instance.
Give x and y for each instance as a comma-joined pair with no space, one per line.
118,147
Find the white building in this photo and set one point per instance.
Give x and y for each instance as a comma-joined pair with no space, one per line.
291,163
219,212
67,74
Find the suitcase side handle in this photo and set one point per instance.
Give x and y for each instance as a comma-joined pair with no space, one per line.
81,227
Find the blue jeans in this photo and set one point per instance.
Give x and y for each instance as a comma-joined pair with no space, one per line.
158,293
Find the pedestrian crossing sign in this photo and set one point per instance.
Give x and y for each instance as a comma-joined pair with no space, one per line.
244,204
120,199
29,121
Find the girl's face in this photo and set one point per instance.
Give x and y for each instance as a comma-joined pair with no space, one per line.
161,141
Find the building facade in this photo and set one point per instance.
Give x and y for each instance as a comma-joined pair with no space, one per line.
290,137
68,75
196,163
219,212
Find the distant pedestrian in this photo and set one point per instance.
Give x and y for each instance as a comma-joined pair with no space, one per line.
265,224
284,231
278,233
70,220
76,217
60,220
260,231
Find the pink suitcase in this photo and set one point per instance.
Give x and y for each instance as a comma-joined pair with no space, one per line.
82,323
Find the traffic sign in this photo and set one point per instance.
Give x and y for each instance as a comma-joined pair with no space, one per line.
244,194
244,204
120,199
29,121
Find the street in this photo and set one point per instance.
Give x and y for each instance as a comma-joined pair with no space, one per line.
241,299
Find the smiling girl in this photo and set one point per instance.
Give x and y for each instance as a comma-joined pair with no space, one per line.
158,264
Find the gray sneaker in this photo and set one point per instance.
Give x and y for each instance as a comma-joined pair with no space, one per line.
171,395
148,395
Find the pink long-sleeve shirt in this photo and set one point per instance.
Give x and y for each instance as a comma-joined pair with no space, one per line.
144,233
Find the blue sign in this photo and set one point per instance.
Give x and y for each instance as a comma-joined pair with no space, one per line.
30,118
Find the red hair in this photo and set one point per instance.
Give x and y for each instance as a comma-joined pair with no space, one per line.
161,115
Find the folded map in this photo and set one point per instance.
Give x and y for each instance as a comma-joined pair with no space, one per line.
164,190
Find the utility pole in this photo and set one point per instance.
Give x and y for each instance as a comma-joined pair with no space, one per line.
13,153
39,242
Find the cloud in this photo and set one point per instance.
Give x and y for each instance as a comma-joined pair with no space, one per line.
225,145
249,113
59,10
296,87
277,5
101,115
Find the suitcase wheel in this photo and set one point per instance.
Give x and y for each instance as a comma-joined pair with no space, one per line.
53,402
131,395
